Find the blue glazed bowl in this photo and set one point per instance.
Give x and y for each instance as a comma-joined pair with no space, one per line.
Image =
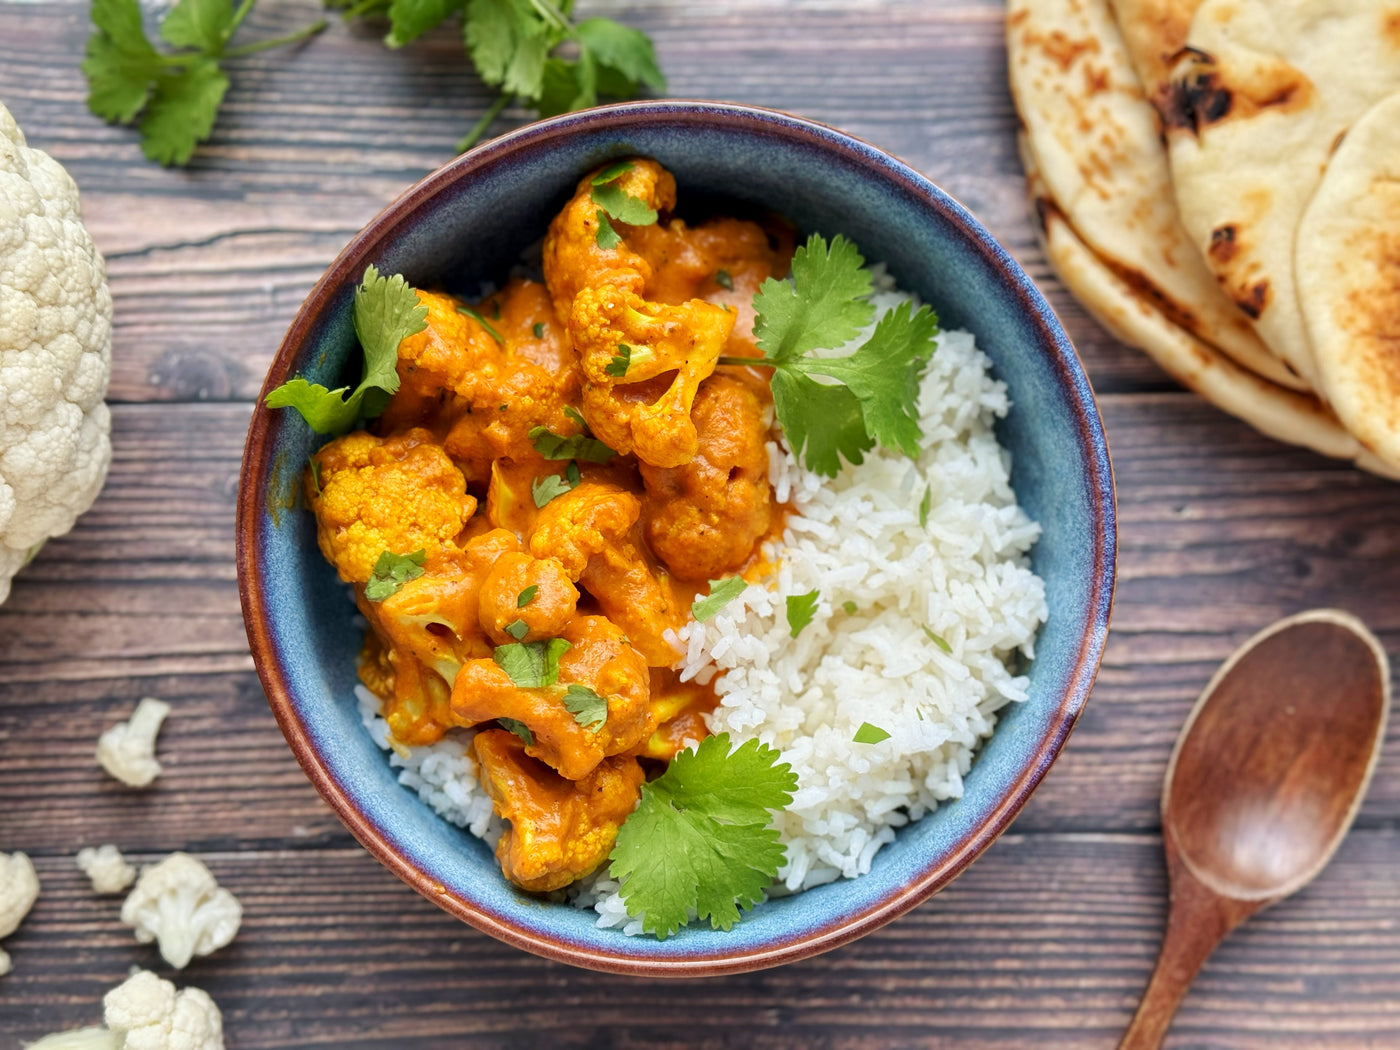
467,223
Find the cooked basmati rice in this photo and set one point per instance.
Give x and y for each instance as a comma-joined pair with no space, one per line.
915,627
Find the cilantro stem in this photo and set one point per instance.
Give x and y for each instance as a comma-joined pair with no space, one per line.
553,14
364,7
238,17
487,119
278,41
744,362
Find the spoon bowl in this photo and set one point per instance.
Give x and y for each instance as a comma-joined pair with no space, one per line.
1265,779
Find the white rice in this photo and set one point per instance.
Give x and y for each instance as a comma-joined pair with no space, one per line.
964,576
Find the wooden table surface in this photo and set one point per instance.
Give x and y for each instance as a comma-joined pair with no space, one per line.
1046,941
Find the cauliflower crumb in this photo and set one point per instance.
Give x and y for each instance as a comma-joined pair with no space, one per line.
179,904
128,749
146,1013
19,888
107,868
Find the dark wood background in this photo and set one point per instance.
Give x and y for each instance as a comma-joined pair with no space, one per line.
1046,941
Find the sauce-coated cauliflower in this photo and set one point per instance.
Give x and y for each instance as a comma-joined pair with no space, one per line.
179,904
55,354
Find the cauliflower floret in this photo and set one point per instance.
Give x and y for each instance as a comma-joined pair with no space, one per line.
55,354
146,1013
107,868
19,888
374,495
128,749
179,904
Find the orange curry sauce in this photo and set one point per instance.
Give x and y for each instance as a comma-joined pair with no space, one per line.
611,560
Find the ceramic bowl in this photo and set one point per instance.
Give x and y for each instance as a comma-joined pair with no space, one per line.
467,223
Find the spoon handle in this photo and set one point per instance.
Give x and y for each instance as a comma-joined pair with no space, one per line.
1198,920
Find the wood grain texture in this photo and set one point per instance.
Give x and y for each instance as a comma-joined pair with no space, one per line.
1047,941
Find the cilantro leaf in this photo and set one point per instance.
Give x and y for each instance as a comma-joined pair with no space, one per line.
884,375
475,315
869,734
202,24
180,92
939,641
925,505
180,112
410,19
622,49
538,329
386,311
508,42
850,607
555,446
391,571
517,629
617,367
613,171
800,610
701,837
824,305
526,596
622,206
724,280
607,238
566,86
519,728
544,489
532,665
572,413
722,592
588,708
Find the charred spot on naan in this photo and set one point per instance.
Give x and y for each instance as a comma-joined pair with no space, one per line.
1390,27
1238,272
1198,94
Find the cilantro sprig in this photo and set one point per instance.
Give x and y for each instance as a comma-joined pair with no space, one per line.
701,838
391,571
176,94
517,47
386,312
875,394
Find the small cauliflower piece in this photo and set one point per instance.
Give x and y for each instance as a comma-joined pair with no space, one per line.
19,888
148,1014
179,904
55,354
400,494
128,750
107,868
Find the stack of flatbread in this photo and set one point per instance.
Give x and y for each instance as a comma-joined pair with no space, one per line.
1218,181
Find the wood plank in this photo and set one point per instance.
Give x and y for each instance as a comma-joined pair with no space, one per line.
1222,532
1046,941
208,265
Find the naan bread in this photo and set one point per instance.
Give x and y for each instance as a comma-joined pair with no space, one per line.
1258,103
1154,32
1098,146
1348,270
1286,415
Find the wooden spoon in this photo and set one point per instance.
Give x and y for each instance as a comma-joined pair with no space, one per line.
1263,783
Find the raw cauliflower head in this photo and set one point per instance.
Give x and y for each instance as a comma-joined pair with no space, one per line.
55,354
180,905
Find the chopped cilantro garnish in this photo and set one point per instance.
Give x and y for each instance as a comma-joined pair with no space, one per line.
723,279
824,306
532,665
800,610
722,592
612,172
544,489
475,315
701,837
938,641
572,413
315,474
519,728
588,708
517,629
391,571
606,237
386,311
526,596
617,367
850,607
621,205
924,505
538,329
555,446
869,734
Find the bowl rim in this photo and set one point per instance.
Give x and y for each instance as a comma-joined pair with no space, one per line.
253,500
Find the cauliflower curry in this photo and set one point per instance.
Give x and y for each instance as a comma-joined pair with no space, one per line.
584,561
